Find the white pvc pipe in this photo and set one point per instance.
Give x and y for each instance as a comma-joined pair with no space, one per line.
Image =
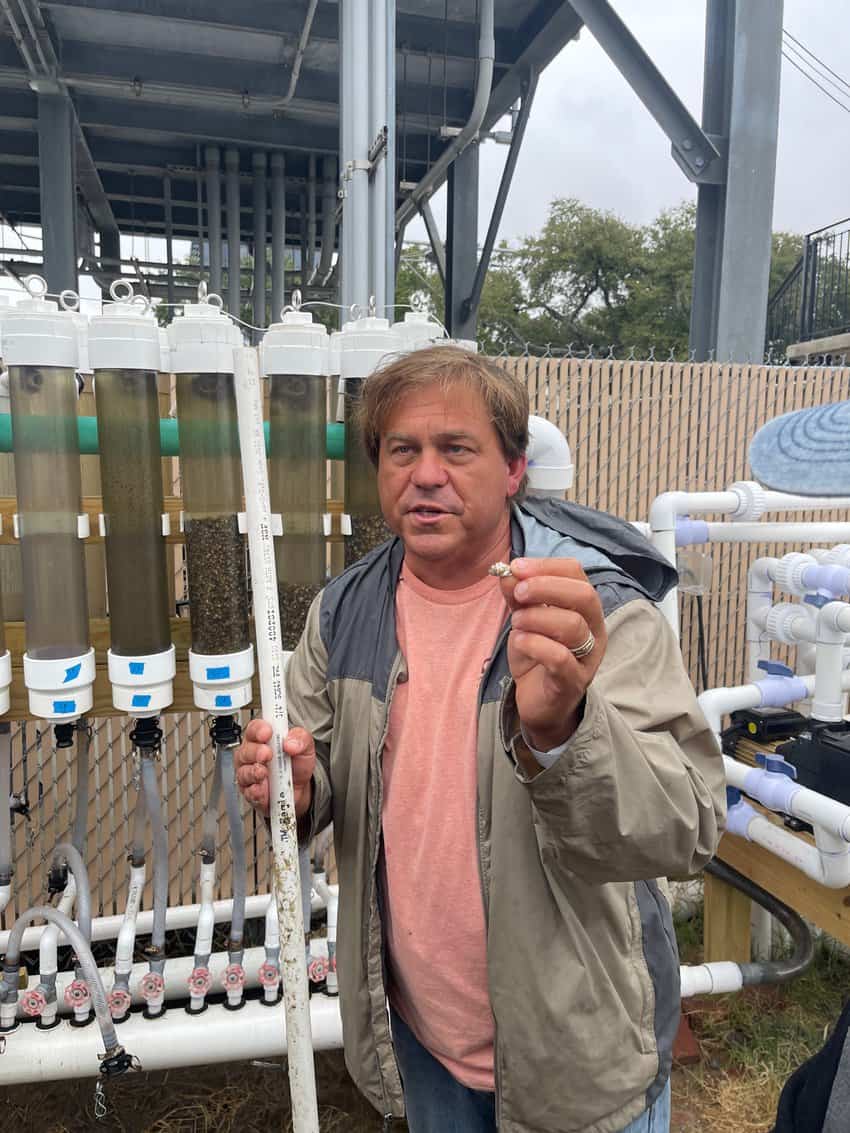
828,868
255,1031
759,597
818,810
127,933
178,916
710,979
282,819
777,532
833,626
206,919
48,947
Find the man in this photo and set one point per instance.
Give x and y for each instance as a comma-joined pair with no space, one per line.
808,453
508,764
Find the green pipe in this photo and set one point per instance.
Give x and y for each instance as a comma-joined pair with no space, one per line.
169,438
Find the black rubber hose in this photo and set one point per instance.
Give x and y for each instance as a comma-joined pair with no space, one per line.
770,971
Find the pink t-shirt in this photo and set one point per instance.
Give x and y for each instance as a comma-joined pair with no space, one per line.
436,933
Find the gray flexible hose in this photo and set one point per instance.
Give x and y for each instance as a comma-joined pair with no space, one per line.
770,971
210,826
81,810
5,794
137,844
74,860
159,836
237,846
84,954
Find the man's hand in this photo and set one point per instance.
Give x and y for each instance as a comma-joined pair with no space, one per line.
554,609
253,757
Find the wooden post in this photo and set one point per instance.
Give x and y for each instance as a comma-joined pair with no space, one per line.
726,930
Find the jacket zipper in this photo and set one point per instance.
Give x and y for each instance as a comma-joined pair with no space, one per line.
394,675
485,896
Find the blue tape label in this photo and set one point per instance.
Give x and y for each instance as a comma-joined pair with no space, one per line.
64,706
220,674
224,702
140,701
72,673
137,668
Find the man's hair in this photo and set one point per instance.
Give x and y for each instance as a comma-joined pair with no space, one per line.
447,367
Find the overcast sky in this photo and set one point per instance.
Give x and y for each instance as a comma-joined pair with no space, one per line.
589,136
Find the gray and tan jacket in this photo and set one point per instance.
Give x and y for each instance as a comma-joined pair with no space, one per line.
582,963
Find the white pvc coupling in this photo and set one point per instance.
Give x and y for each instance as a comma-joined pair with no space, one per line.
417,330
202,340
142,686
296,345
364,345
710,979
37,333
60,689
124,337
222,684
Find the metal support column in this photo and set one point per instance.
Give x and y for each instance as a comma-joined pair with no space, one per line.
278,234
377,154
169,242
110,253
234,233
462,243
259,163
346,74
356,51
57,180
213,162
437,246
753,131
528,88
328,219
711,198
389,161
305,255
311,218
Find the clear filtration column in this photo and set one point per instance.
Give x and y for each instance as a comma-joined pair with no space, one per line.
125,354
221,660
295,356
364,345
40,344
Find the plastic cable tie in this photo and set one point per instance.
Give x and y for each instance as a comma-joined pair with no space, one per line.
277,523
166,524
242,521
345,523
101,525
327,523
16,526
83,526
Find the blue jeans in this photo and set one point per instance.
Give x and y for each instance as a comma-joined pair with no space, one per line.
437,1103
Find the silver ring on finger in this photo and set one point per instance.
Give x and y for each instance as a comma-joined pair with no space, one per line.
586,647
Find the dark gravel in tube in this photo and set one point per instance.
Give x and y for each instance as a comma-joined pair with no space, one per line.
367,532
218,591
295,600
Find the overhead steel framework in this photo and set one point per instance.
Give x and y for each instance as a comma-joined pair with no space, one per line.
295,128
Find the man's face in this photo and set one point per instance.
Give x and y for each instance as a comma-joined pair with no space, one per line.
443,478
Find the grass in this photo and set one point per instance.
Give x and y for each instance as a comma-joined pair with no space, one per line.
752,1041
